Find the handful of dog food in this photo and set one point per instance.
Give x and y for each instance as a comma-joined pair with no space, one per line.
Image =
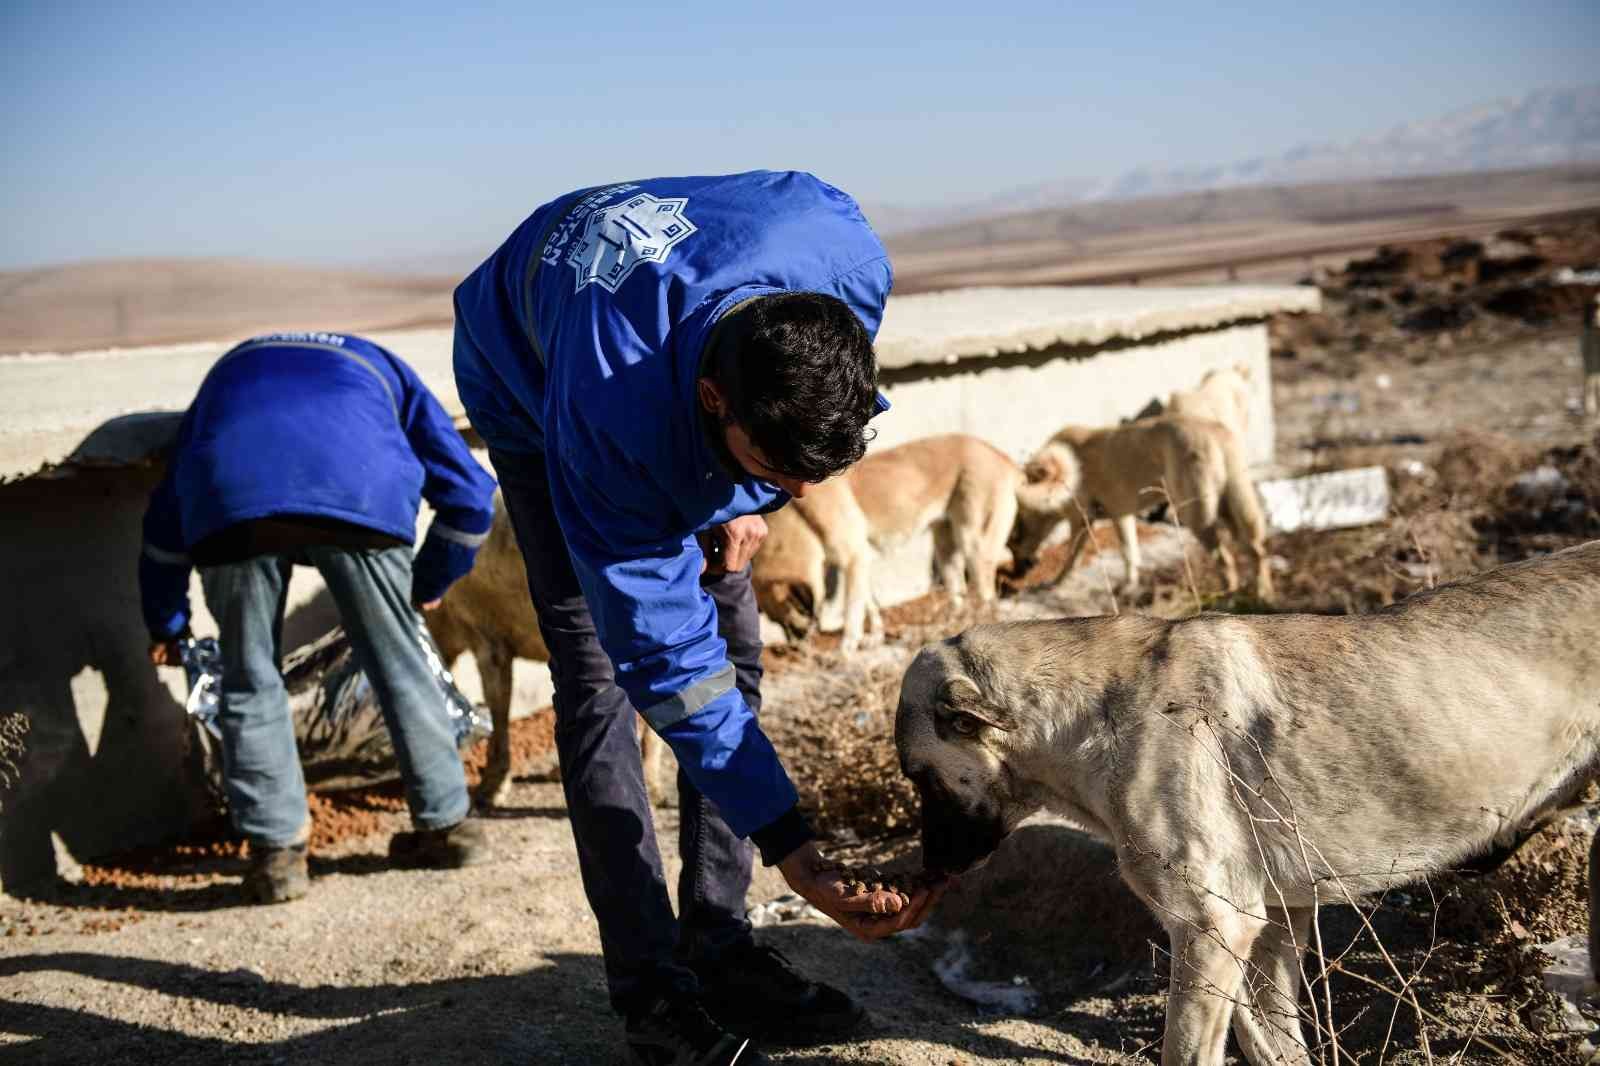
860,882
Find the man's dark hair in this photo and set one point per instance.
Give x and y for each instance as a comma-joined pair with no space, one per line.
801,378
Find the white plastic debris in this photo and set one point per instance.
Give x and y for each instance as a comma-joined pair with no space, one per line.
1383,381
1338,400
954,968
1336,500
1569,978
1539,482
786,908
1416,468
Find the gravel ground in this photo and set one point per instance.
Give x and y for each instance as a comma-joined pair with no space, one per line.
493,964
147,959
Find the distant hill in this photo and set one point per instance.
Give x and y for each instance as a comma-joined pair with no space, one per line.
1549,127
1181,237
126,302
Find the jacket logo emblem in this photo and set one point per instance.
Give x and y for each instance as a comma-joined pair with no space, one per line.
615,240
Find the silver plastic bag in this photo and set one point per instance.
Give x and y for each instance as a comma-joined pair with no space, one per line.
338,724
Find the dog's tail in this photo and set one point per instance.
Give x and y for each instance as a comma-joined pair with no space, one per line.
1050,480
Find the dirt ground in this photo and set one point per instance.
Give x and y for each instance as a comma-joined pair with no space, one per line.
1041,957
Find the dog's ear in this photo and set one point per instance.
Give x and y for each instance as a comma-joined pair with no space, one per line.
960,698
959,693
802,596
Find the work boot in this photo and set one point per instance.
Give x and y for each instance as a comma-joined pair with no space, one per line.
756,992
675,1030
462,844
276,875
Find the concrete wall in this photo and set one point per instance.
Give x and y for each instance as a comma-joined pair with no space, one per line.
1017,401
104,768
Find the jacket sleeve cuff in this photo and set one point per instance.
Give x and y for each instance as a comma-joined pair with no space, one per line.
174,628
439,563
777,840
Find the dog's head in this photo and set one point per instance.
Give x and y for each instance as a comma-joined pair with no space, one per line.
1044,500
954,743
791,604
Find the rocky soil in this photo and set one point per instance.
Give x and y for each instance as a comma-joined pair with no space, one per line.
1453,365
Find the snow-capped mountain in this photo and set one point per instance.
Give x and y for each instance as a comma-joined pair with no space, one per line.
1542,128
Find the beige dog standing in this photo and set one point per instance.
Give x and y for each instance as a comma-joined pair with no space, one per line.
1247,768
1222,396
1196,464
489,613
962,488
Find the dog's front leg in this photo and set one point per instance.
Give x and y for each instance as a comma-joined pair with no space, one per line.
1267,1024
1209,960
494,668
657,781
857,572
1128,537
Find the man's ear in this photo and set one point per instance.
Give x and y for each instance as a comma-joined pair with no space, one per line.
711,397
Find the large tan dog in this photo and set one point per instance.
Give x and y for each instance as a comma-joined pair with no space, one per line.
1197,465
964,489
489,613
1222,396
1247,768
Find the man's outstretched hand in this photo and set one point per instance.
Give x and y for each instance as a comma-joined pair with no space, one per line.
870,915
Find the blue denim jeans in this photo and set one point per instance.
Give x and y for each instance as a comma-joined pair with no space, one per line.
261,766
644,945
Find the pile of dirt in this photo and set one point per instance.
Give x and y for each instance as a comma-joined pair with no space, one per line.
1419,299
1476,501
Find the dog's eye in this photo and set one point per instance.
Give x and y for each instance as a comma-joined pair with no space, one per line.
966,725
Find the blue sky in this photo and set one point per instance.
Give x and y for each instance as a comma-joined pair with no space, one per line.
348,132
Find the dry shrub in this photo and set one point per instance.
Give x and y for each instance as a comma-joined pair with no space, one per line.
841,756
1464,515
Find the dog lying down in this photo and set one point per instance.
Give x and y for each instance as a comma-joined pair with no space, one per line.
1247,768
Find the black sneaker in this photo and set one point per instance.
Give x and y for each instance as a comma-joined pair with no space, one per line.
755,991
676,1031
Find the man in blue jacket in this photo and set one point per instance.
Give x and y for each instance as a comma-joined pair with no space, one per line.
314,448
653,365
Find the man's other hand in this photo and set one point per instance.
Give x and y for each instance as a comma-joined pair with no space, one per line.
740,540
867,917
165,653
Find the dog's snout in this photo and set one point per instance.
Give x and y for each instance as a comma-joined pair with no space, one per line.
954,838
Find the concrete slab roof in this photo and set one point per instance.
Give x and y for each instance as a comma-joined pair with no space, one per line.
105,408
942,327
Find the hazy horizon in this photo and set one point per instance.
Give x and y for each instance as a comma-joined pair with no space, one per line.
358,136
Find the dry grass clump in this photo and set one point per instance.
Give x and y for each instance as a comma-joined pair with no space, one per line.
841,756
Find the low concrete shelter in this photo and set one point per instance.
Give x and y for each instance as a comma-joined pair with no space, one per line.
81,443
